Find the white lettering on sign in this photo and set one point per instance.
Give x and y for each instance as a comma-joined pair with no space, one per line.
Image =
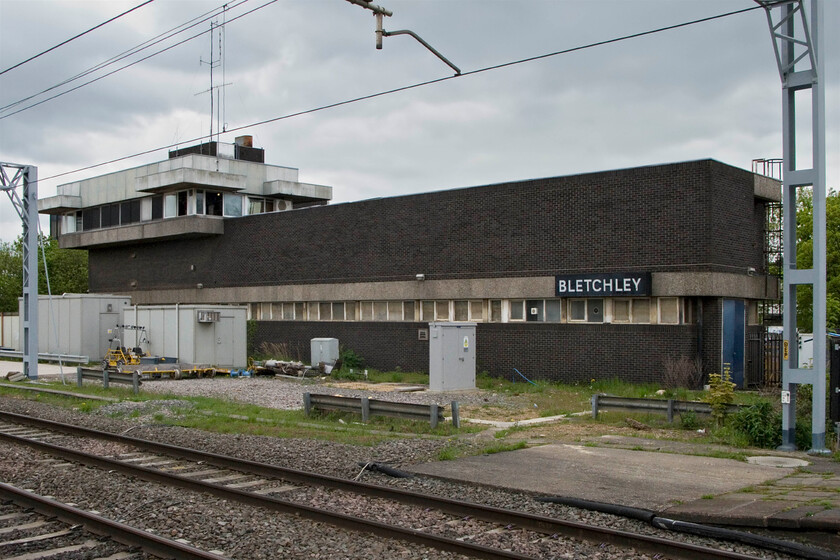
785,397
603,284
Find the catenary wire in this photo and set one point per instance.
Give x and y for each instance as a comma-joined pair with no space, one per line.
106,22
414,86
132,51
133,63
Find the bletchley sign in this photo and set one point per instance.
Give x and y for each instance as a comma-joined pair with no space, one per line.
607,284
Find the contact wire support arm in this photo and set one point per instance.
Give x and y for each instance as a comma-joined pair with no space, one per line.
425,44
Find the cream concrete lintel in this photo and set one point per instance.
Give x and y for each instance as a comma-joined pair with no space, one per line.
165,180
715,284
158,229
475,288
712,284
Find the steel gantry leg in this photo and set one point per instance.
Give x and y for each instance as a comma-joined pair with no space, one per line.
798,44
26,176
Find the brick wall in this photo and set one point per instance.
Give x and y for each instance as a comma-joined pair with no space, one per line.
383,345
541,351
689,216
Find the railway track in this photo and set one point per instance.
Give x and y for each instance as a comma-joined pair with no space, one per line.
461,530
33,527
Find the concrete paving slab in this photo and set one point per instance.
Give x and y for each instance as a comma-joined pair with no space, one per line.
826,520
790,519
744,510
619,476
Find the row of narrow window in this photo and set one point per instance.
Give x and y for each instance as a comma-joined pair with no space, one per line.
181,203
664,310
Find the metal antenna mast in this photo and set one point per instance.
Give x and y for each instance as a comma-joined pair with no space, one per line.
799,52
11,176
215,104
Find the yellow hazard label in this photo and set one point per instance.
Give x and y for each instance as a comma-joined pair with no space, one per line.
786,351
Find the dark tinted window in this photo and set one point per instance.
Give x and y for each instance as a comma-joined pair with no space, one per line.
90,218
130,212
157,207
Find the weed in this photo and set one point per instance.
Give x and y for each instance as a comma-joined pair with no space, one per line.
688,420
682,372
760,424
501,434
502,447
350,359
448,453
708,496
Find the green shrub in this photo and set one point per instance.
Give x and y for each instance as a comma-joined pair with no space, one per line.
721,394
761,425
350,359
688,420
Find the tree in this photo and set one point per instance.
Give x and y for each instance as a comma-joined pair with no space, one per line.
68,271
805,258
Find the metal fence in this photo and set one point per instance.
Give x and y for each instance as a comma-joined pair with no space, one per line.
432,413
108,377
764,360
667,407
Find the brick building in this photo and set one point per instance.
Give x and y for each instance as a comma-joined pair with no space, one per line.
597,275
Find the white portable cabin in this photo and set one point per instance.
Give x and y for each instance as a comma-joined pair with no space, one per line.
77,324
210,335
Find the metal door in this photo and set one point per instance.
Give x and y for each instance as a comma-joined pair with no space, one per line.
732,359
107,322
224,342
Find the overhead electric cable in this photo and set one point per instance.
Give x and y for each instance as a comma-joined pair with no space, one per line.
31,58
132,63
134,50
413,86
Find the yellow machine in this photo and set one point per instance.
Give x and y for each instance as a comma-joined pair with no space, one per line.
121,356
118,355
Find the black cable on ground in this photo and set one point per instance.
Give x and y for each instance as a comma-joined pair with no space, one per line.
769,543
708,531
385,469
639,514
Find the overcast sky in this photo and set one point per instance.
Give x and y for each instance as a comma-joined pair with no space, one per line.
711,90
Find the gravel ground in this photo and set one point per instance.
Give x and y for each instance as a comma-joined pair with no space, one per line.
288,393
246,533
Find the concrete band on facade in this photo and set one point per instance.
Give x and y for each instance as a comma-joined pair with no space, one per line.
697,228
670,284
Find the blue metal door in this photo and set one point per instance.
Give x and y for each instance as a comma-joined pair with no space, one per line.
732,361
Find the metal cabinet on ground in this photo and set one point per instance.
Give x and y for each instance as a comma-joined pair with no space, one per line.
195,334
451,356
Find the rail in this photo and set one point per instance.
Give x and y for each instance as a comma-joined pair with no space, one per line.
149,542
669,406
367,407
459,507
108,377
45,357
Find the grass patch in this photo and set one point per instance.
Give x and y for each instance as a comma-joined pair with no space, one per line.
457,450
501,447
501,434
229,417
376,376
